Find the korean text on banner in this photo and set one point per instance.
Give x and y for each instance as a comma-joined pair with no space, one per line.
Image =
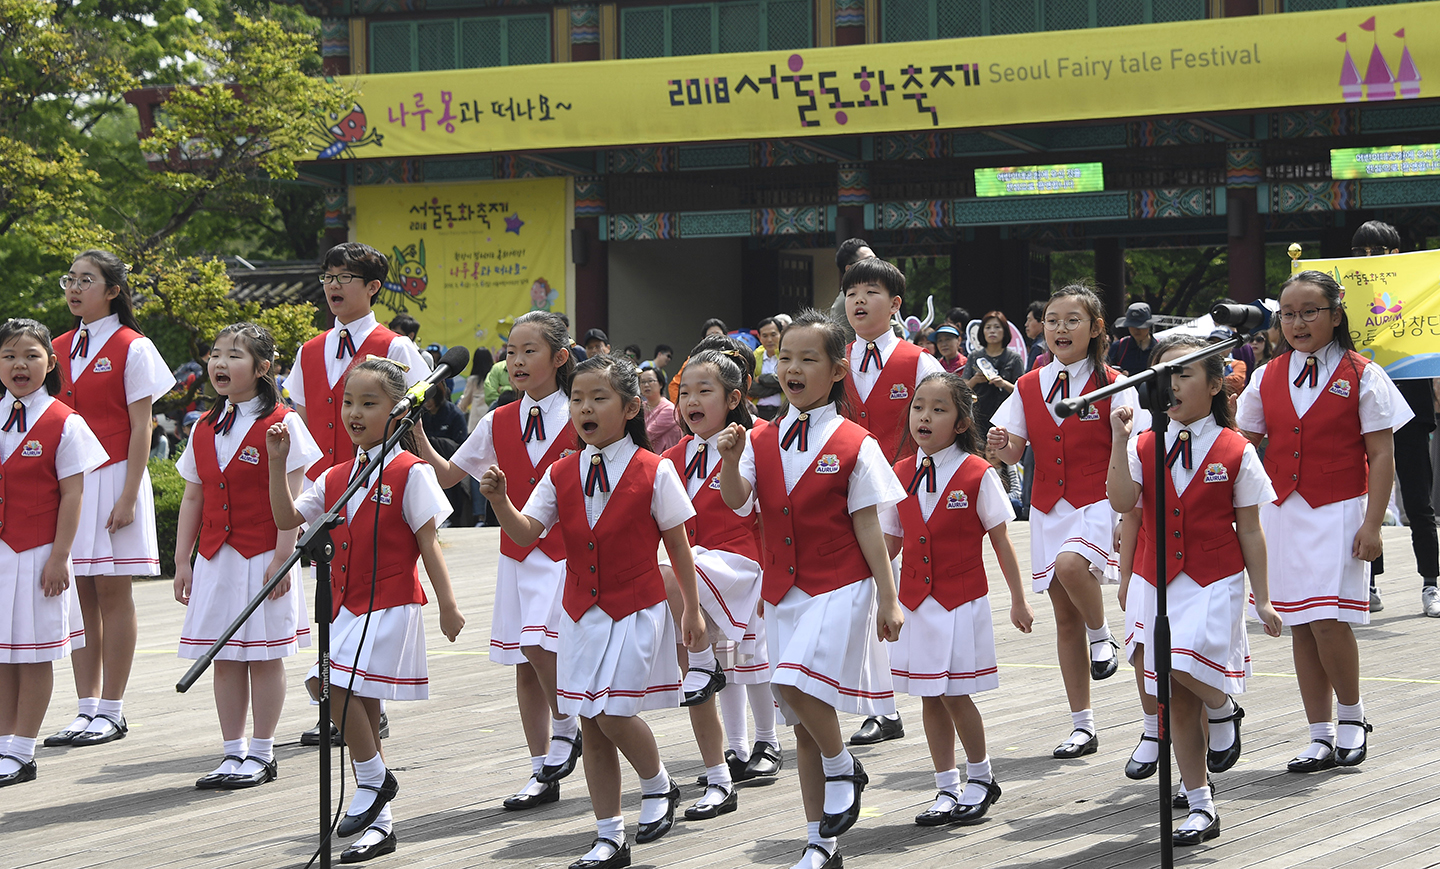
464,257
1393,303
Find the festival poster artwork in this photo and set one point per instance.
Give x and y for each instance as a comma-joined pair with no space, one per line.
1383,54
464,258
1393,304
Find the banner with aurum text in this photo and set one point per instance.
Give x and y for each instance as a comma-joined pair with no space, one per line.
465,256
1393,304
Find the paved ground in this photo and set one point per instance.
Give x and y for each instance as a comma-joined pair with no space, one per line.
133,804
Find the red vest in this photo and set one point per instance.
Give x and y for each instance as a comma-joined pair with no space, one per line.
1329,434
1204,515
715,525
885,414
1070,458
397,579
101,401
323,418
942,557
809,537
613,565
521,476
236,507
30,478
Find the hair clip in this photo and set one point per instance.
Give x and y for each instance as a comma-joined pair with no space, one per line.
371,357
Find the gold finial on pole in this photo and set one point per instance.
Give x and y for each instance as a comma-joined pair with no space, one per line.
1294,250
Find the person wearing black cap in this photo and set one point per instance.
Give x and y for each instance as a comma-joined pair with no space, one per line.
1131,354
596,342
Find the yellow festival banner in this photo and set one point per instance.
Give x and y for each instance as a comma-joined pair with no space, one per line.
465,256
1393,304
1360,56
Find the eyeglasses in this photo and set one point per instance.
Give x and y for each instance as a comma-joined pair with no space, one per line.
338,279
1070,324
1308,315
84,282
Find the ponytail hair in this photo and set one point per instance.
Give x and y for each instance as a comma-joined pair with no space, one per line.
261,345
624,378
1213,367
732,378
116,274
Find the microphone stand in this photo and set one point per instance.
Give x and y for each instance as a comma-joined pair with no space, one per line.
317,545
1158,377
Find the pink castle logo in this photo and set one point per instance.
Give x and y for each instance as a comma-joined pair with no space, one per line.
1380,81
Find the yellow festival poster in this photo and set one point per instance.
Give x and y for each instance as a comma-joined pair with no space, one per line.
1356,56
1393,304
465,256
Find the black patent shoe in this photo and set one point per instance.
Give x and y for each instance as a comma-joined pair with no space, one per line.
520,802
555,772
655,829
268,772
384,793
1195,837
832,825
1105,669
1314,764
26,772
66,736
967,814
877,728
727,805
765,761
1219,761
212,781
1069,750
716,682
619,860
1137,770
833,860
361,853
111,731
312,736
932,818
1353,756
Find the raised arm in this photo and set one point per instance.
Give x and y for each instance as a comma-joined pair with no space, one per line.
522,529
1120,487
282,502
734,489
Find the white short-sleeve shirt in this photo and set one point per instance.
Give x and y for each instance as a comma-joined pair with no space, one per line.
424,499
146,376
872,483
1381,404
992,504
79,452
1011,414
669,504
712,458
1252,484
477,454
886,344
401,349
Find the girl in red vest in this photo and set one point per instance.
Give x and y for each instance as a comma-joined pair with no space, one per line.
1072,527
45,451
111,374
1320,398
227,507
524,438
1215,486
947,651
727,568
614,503
821,482
389,526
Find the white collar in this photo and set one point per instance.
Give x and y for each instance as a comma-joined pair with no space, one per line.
937,458
363,324
39,399
883,343
610,453
1198,429
1078,372
817,415
1328,356
248,407
104,325
546,404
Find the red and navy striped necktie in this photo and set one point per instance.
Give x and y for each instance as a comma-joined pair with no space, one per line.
871,352
923,474
81,349
1310,374
226,422
534,426
798,435
1180,450
696,467
360,462
595,476
16,420
346,348
1061,386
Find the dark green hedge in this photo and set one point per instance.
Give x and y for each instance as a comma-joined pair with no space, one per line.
169,489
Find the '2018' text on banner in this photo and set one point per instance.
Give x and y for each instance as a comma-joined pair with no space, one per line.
1368,55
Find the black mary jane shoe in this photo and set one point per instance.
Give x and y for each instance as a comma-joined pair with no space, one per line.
312,736
1195,837
932,818
212,781
1353,756
361,853
715,683
833,860
877,728
26,772
1181,801
966,814
727,805
67,736
765,761
1314,764
1105,669
1220,761
832,825
619,860
384,793
269,771
1068,750
552,773
655,829
1136,770
112,731
520,802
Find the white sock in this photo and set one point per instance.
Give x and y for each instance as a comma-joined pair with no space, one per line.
89,706
1222,736
948,782
260,750
110,709
701,666
565,725
718,777
1348,735
370,772
5,743
1100,648
653,810
384,821
893,716
1082,720
8,765
762,707
1200,799
22,747
559,750
1147,751
811,859
1324,730
838,794
732,713
612,829
231,748
977,776
536,764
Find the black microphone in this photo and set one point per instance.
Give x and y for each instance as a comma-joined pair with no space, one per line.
1244,318
453,362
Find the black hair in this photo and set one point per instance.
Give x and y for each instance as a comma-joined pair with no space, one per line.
834,341
1376,233
563,318
21,327
261,345
116,274
963,399
1334,297
1036,309
1213,368
771,321
845,254
1095,309
732,379
712,323
961,317
481,362
664,348
552,330
1004,327
362,259
875,271
392,381
624,378
406,325
633,350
